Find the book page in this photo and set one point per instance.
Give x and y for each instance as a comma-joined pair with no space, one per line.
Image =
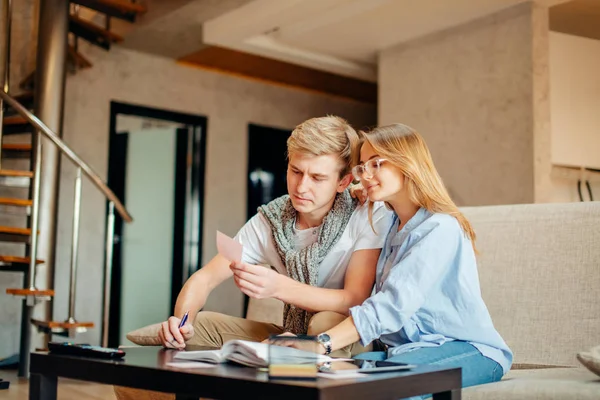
213,356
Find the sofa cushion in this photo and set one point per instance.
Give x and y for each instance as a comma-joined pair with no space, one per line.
542,384
539,267
145,336
591,359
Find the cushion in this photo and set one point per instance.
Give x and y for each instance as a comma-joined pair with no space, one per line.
591,359
542,384
539,273
146,336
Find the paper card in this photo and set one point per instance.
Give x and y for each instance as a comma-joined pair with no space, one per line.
229,248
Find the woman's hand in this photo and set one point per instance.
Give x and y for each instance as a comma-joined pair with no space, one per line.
359,192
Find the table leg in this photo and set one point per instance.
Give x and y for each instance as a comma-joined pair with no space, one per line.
450,395
42,387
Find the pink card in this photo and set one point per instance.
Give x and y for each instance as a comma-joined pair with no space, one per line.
229,248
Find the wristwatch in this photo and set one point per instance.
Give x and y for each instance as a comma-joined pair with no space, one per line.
325,341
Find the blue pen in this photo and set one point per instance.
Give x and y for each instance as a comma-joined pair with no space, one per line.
184,319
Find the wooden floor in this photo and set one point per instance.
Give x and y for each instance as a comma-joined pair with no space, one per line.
68,389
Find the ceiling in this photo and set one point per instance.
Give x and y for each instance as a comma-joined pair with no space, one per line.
579,17
340,36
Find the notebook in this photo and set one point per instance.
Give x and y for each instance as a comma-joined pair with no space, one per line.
251,354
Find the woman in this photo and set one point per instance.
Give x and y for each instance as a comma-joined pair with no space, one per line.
427,306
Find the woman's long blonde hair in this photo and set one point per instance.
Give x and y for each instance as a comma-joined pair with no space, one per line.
404,148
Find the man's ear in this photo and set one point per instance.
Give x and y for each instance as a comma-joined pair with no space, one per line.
344,182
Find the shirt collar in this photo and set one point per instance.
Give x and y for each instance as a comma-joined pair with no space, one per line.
421,215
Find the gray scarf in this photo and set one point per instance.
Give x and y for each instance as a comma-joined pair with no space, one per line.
303,265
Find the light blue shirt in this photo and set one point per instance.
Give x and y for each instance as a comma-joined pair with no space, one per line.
427,291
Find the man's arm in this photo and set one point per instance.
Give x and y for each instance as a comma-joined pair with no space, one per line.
191,298
194,293
260,282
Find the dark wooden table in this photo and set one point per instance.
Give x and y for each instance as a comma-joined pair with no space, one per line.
145,368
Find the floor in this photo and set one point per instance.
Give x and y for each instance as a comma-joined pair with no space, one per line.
68,389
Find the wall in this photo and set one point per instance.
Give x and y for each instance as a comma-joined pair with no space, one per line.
229,103
478,94
575,101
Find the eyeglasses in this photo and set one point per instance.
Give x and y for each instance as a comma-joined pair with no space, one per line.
368,169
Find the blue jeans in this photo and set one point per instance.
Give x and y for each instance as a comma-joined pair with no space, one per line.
476,368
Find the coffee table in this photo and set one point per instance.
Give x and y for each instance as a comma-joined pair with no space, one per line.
146,368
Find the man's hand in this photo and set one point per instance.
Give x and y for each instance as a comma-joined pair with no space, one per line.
257,281
173,337
359,192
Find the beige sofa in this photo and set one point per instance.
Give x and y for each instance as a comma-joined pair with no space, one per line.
539,269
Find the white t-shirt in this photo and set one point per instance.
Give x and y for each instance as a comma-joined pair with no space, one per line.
259,246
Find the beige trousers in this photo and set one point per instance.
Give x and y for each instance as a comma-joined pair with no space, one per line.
214,329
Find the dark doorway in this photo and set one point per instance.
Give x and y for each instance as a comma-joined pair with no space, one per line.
267,168
156,166
267,165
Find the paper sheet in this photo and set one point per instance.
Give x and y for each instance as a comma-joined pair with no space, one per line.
347,375
190,364
229,248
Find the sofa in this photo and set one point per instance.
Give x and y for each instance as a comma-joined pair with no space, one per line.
539,268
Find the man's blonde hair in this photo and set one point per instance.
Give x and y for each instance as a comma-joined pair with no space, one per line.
326,135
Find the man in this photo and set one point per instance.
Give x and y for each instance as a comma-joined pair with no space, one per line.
317,243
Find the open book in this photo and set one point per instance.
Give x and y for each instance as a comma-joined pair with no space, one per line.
251,354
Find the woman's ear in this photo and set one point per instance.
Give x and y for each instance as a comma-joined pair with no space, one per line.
344,182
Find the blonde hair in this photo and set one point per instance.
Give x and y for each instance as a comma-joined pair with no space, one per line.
326,135
404,148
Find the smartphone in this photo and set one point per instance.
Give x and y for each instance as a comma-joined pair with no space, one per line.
363,366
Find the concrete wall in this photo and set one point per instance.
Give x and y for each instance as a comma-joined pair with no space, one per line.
478,93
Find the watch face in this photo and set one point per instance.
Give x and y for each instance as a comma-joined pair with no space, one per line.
323,337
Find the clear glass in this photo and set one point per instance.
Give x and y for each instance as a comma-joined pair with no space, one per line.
371,167
293,357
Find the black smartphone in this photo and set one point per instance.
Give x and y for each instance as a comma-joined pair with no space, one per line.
363,366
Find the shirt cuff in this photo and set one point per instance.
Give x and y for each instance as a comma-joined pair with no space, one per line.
365,324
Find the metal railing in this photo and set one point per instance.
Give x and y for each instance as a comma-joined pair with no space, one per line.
82,167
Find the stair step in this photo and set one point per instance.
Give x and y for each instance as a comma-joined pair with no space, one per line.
15,231
78,60
115,8
12,172
16,150
16,263
12,234
61,327
18,260
62,324
25,147
29,292
92,33
6,201
15,124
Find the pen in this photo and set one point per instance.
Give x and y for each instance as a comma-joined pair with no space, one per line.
184,319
